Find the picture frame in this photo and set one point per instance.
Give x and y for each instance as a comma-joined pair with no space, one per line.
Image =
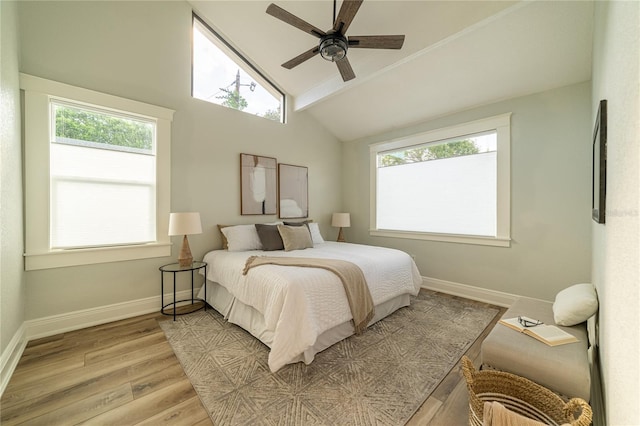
258,185
599,165
293,191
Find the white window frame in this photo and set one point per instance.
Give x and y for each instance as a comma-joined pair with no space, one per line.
500,124
38,93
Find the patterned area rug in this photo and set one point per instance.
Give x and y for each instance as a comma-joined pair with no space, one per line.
380,377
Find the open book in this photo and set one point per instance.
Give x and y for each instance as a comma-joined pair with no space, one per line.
549,334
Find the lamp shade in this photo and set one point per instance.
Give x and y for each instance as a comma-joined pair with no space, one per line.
185,223
341,220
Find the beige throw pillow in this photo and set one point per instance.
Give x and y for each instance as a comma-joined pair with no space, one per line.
295,237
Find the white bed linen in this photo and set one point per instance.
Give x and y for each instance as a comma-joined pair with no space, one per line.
299,304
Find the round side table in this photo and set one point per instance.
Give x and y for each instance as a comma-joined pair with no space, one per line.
175,268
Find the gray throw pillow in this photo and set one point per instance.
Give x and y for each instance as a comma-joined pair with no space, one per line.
269,237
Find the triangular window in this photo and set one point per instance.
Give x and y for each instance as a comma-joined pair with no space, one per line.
221,75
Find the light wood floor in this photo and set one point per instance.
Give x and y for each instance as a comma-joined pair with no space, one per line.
125,373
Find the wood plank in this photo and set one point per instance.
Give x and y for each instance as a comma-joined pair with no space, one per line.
425,413
189,412
24,376
204,422
151,365
455,410
47,352
98,355
42,340
152,382
148,406
46,345
79,341
115,325
33,405
115,335
86,408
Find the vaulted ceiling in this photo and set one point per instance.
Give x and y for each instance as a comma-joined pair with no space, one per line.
457,55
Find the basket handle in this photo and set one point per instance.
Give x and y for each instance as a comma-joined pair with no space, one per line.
468,370
575,404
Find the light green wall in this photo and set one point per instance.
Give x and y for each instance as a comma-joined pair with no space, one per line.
550,199
141,51
12,289
616,244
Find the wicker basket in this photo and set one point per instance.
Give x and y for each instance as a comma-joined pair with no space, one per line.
521,396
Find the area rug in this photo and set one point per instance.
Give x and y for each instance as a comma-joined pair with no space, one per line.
380,377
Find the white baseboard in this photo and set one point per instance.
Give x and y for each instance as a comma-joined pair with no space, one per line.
494,297
10,357
56,324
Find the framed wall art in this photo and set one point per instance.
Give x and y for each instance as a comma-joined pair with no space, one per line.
258,184
599,165
293,189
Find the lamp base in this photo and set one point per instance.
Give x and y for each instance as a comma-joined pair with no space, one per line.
340,236
185,258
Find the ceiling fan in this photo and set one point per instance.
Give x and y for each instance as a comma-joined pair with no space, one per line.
334,43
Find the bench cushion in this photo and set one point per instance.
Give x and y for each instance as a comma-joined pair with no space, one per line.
563,369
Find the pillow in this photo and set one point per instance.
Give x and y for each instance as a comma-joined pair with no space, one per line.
242,238
224,239
306,222
575,304
269,237
295,237
316,236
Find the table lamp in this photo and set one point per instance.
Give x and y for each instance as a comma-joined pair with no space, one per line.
341,220
185,224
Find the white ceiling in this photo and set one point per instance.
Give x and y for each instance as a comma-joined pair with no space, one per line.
457,55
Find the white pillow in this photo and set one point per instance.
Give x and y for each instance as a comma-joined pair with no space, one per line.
575,304
316,236
242,238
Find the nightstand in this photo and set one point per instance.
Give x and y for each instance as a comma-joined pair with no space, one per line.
175,268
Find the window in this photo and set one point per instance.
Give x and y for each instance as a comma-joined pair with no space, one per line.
97,176
222,76
446,185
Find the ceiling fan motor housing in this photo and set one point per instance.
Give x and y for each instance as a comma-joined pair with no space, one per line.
333,46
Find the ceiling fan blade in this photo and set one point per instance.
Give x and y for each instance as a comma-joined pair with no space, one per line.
345,69
377,42
291,19
301,58
347,12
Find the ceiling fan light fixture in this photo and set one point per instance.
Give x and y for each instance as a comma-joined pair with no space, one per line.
333,47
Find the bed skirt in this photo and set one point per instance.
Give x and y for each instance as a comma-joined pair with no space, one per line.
252,321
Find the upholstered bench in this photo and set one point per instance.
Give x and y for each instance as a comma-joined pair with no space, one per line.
563,369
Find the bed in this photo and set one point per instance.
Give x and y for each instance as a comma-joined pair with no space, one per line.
297,311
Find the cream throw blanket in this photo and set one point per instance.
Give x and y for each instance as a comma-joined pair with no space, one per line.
355,285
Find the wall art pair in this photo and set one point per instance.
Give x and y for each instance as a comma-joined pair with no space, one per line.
267,187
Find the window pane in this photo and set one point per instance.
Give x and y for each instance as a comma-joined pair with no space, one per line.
101,197
78,124
448,188
221,80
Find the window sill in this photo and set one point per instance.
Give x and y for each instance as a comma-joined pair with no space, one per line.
65,258
450,238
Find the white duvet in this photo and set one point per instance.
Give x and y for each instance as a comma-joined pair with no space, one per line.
299,304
